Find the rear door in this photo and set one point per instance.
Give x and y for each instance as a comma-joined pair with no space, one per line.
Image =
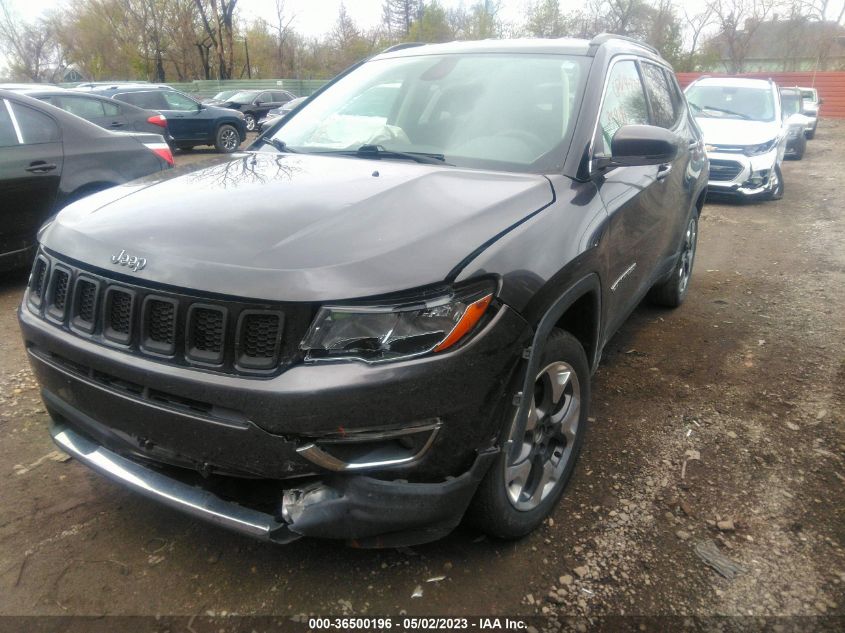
30,171
627,193
101,112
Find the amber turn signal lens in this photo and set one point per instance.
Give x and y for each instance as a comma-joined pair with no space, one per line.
471,316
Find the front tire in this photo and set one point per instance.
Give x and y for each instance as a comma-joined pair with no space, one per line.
249,120
521,490
227,139
672,292
776,193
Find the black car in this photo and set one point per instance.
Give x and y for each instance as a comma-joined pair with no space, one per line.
792,111
105,112
275,114
375,322
49,158
189,122
255,104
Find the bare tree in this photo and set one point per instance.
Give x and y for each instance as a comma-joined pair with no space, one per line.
696,24
738,22
32,48
281,28
218,21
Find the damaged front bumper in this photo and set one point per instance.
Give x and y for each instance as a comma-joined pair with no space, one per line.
367,512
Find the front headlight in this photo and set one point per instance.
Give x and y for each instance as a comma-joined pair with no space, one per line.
762,148
409,327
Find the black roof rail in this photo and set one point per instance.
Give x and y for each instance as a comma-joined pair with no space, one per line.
601,38
401,46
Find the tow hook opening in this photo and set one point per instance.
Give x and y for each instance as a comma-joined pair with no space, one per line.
297,500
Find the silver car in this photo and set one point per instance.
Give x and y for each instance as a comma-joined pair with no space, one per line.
744,134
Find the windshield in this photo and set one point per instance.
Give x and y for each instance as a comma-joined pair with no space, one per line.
506,111
220,96
245,96
732,102
790,102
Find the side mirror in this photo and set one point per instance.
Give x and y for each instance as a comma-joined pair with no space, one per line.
635,145
200,106
821,101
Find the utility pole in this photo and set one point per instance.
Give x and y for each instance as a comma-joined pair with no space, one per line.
248,67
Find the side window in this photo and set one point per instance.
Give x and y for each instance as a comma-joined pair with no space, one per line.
624,104
111,109
82,107
659,95
8,137
178,101
35,127
264,97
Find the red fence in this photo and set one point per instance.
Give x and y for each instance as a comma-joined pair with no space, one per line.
831,86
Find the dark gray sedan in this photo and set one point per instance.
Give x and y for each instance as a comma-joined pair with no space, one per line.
105,112
49,158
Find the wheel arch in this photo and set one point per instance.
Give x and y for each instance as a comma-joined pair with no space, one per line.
578,311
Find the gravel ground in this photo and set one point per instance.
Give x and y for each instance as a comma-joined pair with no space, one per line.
721,421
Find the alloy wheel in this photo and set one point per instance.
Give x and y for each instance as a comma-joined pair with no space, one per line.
229,139
687,255
250,122
546,447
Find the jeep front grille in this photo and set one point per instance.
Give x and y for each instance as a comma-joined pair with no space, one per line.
216,334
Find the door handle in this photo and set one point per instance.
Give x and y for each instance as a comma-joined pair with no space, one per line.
664,170
116,124
40,167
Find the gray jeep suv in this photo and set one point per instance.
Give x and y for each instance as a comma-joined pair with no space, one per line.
379,318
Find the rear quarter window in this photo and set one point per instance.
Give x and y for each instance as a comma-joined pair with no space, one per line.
35,126
146,100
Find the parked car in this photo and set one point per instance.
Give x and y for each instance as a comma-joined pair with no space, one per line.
48,158
277,113
744,133
812,103
31,86
105,112
795,122
104,85
369,342
189,122
255,104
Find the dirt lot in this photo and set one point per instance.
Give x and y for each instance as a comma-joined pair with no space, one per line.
720,421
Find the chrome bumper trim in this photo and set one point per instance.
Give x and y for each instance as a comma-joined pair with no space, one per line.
189,499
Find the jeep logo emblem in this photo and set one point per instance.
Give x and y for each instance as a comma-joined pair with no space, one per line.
132,262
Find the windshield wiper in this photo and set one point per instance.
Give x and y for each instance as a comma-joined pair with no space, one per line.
725,111
377,151
279,145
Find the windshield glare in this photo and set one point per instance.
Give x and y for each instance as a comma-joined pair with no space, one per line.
730,102
243,97
508,111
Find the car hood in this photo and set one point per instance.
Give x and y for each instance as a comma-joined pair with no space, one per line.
737,132
294,227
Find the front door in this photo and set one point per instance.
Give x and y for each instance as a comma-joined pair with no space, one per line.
628,195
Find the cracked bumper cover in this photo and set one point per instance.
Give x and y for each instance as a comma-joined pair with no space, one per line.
132,440
366,511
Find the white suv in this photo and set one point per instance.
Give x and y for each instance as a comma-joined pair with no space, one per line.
744,134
